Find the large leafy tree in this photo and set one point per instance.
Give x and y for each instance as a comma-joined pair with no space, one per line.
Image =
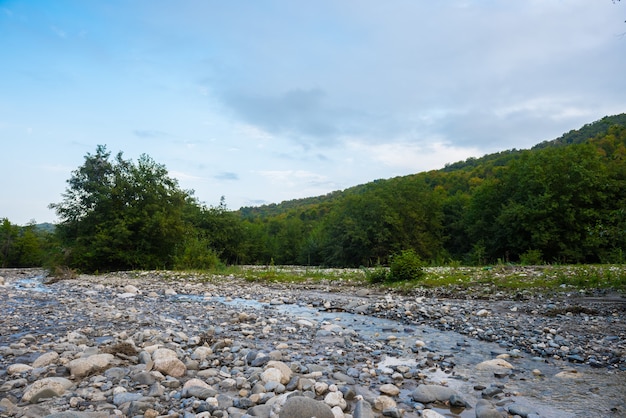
120,214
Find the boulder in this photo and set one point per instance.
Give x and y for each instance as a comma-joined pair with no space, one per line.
432,393
303,407
84,366
48,387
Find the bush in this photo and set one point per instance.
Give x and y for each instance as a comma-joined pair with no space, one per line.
196,255
531,258
406,266
377,275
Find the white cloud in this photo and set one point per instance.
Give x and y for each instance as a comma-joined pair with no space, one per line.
409,158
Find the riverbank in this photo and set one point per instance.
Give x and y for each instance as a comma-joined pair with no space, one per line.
173,344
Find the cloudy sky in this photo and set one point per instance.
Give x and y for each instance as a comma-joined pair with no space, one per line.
264,101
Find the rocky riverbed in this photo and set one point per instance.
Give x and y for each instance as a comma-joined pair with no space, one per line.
157,344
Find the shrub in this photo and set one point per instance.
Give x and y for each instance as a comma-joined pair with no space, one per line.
196,254
406,266
377,275
531,258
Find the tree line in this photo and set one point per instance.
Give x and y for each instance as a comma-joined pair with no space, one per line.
562,201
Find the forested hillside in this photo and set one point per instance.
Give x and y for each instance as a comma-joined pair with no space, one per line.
563,201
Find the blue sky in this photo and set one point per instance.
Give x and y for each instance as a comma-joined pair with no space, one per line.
265,101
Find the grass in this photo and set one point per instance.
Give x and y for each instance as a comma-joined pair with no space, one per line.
505,277
493,278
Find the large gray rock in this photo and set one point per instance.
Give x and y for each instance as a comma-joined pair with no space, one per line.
484,409
363,409
432,393
303,407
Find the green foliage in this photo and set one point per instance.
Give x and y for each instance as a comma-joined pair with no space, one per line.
117,214
22,246
376,275
405,266
561,202
531,258
196,253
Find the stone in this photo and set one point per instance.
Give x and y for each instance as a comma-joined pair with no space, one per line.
285,371
84,366
569,374
335,399
303,407
482,313
432,393
48,387
383,402
494,364
18,368
271,375
45,359
389,389
429,413
170,366
362,409
485,409
124,397
163,353
131,289
520,410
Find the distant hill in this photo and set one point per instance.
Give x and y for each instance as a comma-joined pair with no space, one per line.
498,159
45,227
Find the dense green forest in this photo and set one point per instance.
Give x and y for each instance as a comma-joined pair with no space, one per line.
563,201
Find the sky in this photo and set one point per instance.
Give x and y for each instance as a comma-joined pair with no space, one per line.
271,100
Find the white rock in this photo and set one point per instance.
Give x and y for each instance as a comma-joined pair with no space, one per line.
131,289
271,375
170,366
383,402
163,353
45,359
494,364
285,371
335,399
201,353
337,412
482,312
389,389
320,388
429,413
305,323
18,368
48,387
83,366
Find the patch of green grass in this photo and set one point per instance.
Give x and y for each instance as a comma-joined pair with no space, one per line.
483,279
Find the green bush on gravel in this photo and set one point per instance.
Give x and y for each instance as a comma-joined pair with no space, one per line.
405,266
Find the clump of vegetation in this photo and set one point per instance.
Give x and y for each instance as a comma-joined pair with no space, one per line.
196,254
377,275
406,266
123,348
531,258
